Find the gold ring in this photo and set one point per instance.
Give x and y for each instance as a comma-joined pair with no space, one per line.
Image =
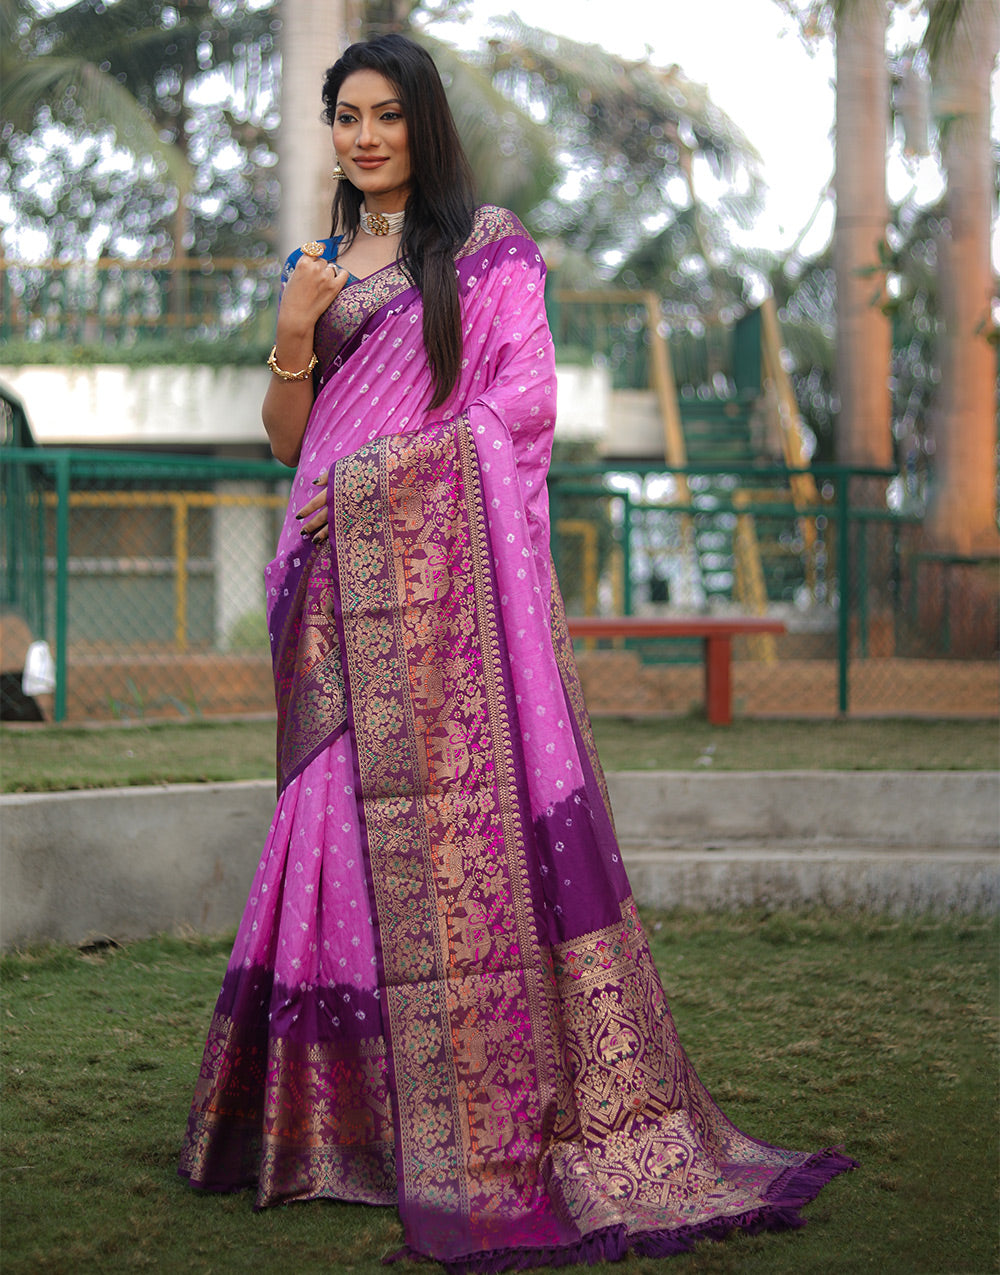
313,249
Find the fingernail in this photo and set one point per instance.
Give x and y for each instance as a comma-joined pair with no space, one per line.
306,535
300,516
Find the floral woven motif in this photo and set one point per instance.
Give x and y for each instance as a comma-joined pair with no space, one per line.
299,1121
309,686
445,838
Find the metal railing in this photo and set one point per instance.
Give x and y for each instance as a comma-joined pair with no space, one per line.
858,593
145,567
122,302
145,575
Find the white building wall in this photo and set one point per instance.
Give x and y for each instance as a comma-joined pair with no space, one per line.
134,407
204,406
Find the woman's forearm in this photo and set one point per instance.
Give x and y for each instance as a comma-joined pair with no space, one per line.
312,287
287,404
285,411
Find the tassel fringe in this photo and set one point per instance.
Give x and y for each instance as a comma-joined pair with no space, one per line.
796,1187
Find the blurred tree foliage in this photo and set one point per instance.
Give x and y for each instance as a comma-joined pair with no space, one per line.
632,140
933,276
134,124
139,127
806,294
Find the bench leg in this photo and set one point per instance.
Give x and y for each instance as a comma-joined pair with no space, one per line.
718,686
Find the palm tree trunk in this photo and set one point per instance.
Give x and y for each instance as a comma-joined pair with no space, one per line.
962,513
864,436
312,38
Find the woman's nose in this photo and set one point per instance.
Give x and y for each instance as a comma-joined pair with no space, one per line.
366,133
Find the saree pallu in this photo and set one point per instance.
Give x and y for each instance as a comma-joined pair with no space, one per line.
441,995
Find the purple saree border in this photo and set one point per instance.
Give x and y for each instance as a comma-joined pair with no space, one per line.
404,296
286,617
797,1187
449,1218
283,608
364,831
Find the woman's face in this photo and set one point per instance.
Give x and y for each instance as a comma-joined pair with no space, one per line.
370,138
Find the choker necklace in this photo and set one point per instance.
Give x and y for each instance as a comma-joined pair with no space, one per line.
382,223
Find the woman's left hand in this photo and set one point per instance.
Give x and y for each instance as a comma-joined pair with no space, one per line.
313,515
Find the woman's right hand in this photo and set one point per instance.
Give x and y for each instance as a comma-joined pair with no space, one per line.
312,287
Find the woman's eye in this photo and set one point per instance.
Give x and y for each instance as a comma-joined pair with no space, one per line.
391,115
345,119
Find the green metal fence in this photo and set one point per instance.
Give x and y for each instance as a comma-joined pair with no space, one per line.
875,624
111,301
145,575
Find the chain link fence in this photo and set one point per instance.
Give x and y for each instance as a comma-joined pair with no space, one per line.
875,624
144,575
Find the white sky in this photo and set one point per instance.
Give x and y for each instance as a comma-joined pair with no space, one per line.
757,69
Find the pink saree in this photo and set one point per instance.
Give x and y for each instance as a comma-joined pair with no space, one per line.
440,995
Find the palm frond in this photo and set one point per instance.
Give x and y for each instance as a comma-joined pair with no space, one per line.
78,88
510,153
128,39
633,106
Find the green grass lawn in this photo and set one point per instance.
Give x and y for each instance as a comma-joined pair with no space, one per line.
49,758
810,1030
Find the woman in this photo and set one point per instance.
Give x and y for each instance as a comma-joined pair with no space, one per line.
440,994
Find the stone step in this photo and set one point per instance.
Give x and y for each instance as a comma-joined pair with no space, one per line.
808,807
129,862
896,880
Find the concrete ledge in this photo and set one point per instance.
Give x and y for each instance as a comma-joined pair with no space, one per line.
129,862
948,808
900,881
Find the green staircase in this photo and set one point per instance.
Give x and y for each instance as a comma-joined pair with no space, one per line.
749,549
723,400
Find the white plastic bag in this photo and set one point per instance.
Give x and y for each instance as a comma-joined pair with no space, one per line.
39,677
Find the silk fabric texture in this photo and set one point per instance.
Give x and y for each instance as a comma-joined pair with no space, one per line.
440,995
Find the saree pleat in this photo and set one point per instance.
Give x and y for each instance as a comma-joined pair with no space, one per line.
441,995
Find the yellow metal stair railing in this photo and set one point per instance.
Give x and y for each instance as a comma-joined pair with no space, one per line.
750,587
587,531
789,428
750,584
664,388
674,447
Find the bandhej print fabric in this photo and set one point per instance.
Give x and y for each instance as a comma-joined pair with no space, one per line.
440,994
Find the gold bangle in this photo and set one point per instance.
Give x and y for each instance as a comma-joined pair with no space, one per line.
282,375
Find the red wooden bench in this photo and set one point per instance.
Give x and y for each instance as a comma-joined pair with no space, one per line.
716,633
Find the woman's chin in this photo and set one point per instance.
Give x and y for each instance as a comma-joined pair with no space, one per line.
372,184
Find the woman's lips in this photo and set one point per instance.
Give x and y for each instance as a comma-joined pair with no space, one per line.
370,161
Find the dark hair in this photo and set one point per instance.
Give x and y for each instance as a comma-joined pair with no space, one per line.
440,203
